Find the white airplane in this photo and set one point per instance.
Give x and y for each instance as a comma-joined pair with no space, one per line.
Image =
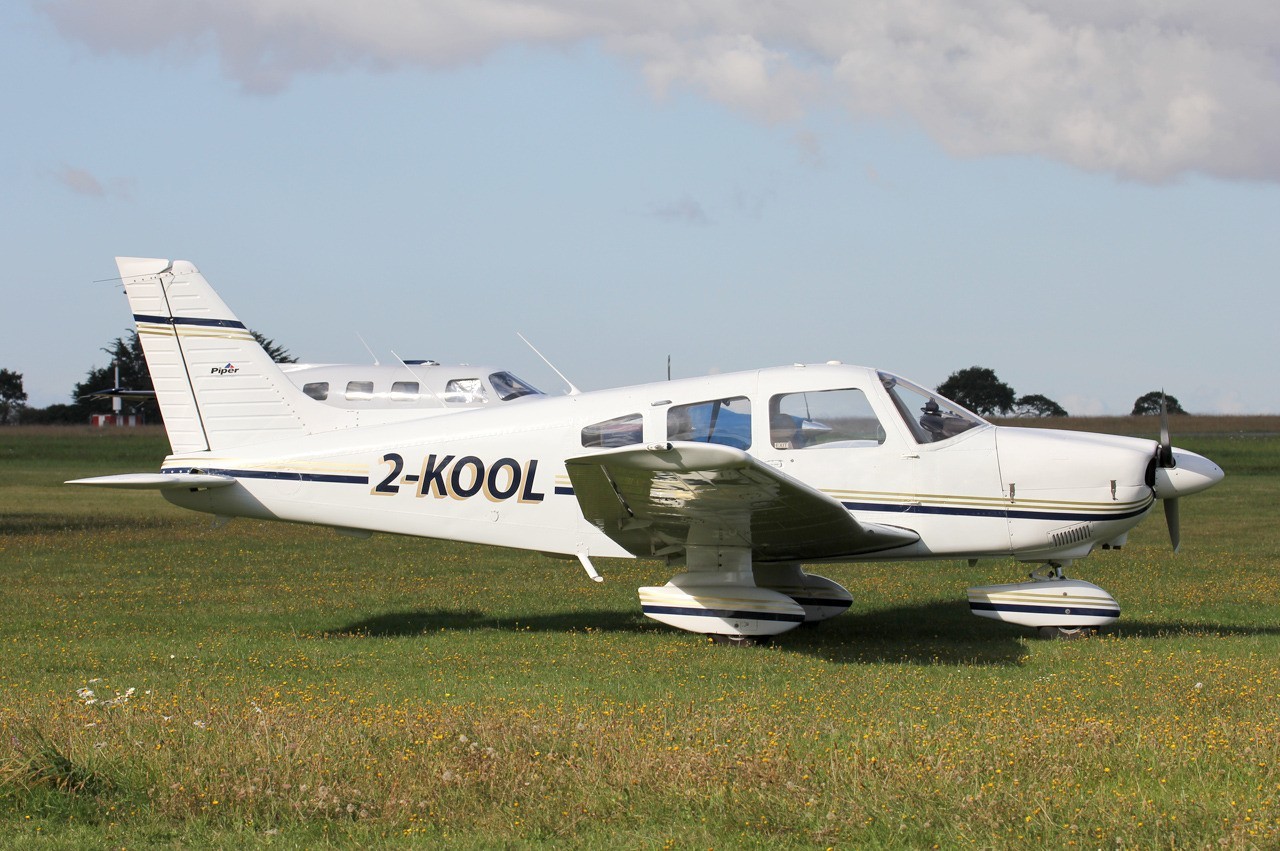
408,389
736,480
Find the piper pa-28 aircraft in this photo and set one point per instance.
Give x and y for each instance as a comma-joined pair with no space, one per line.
736,480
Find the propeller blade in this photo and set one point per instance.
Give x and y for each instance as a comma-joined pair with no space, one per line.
1165,453
1171,520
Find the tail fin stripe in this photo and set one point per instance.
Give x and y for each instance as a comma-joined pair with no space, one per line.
188,320
186,334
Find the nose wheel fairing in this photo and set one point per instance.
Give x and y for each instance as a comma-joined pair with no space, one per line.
1050,601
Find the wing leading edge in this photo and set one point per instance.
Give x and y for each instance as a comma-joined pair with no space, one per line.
662,499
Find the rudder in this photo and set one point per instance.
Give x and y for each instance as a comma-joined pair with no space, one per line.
217,387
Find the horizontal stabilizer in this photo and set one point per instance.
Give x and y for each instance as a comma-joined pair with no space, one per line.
156,481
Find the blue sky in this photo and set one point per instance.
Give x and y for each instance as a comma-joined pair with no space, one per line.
1085,201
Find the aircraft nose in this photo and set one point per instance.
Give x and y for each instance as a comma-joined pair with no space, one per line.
1190,474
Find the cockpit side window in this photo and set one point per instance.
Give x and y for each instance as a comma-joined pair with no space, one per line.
508,387
930,417
464,391
626,430
723,421
825,419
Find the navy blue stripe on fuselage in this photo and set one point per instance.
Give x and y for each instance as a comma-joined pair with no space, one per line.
722,613
188,320
563,491
1012,514
276,475
1045,610
826,602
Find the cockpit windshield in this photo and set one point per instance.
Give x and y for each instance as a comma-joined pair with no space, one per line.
508,387
930,417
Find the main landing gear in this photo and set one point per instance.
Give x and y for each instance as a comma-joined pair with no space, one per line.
1049,602
723,595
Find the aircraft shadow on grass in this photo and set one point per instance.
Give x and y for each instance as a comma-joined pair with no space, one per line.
1185,629
936,633
424,623
932,633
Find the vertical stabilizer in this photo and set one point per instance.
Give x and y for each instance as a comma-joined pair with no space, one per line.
217,387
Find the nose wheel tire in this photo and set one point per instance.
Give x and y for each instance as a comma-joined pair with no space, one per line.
1065,633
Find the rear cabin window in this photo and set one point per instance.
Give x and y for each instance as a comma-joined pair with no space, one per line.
620,431
404,391
823,419
317,390
723,421
358,390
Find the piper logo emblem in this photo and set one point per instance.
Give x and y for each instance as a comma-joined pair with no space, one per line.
224,370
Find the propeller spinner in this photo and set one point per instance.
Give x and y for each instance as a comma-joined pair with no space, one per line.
1179,473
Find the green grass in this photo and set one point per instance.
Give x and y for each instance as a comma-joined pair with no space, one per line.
296,688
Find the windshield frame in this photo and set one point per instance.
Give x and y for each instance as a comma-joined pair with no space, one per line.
952,419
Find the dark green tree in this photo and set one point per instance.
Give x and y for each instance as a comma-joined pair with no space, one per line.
1149,403
277,352
978,389
126,353
1036,405
13,398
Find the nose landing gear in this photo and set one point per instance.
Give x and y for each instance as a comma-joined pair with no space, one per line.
1049,602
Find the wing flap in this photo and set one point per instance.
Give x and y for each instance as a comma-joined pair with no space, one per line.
661,499
156,481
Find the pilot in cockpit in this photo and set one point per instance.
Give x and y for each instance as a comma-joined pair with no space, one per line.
931,420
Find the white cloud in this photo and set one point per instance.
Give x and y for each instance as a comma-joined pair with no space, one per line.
685,210
83,182
1144,89
1086,406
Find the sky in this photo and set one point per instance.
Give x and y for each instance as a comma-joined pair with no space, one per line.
1082,196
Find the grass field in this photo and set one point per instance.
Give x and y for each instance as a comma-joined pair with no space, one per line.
275,685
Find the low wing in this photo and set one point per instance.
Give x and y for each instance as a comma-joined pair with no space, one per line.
157,481
659,500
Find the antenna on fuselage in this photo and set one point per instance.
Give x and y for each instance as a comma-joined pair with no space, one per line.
668,367
376,362
573,391
422,379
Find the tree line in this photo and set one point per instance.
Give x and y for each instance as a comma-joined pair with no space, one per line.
976,388
126,356
981,391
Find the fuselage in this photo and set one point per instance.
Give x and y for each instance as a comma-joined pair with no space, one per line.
890,452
